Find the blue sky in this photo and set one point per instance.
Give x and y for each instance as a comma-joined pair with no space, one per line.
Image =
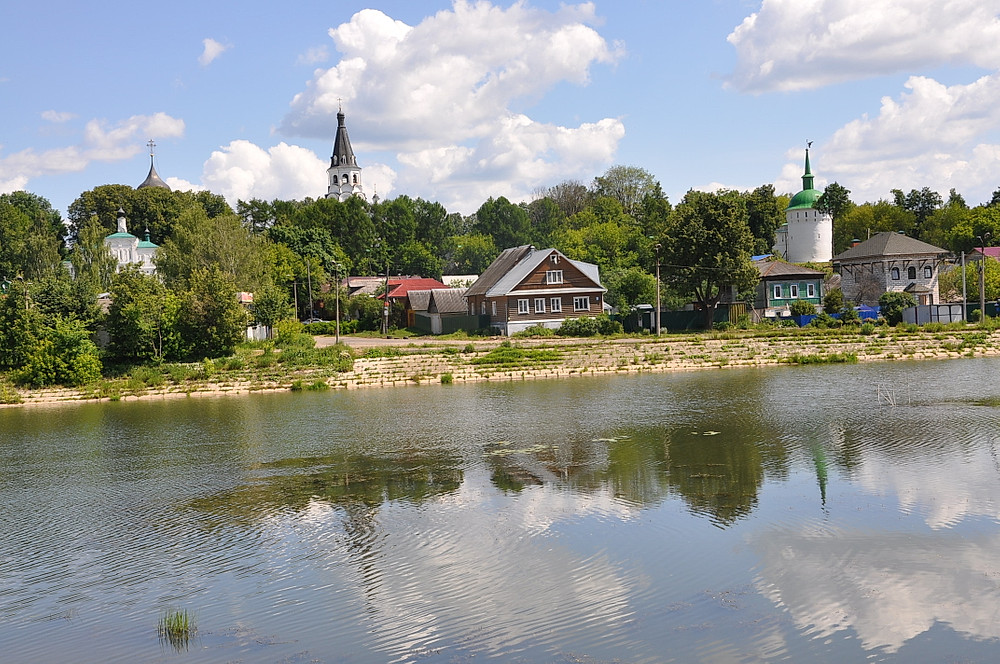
458,101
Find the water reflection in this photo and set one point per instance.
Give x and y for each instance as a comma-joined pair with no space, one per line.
721,516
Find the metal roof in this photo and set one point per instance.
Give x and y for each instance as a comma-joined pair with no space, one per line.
503,263
780,269
447,300
886,245
343,154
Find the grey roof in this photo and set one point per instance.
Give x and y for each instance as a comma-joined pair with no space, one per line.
153,179
886,245
447,300
781,270
420,300
343,154
502,264
527,265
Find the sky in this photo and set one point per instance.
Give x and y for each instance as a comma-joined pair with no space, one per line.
458,101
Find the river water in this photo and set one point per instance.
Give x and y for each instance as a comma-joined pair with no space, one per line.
826,514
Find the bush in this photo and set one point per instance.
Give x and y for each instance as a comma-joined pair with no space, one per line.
536,330
802,308
824,320
833,301
892,305
585,326
849,316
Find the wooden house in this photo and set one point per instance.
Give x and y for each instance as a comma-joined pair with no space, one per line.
525,286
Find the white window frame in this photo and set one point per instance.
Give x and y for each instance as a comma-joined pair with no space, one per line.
554,259
928,272
894,274
555,305
539,305
522,306
810,290
493,307
793,291
554,277
577,301
776,292
484,307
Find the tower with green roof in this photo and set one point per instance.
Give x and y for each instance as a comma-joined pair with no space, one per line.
127,248
807,234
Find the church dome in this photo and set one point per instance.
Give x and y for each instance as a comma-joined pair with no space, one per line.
804,200
153,179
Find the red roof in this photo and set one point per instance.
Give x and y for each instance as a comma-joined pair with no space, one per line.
398,288
992,252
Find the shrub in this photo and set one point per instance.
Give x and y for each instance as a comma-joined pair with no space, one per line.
824,320
849,316
447,379
536,330
892,305
833,301
802,308
585,326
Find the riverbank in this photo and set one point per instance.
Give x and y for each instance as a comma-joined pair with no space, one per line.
413,362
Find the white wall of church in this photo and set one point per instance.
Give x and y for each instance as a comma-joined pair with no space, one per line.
809,236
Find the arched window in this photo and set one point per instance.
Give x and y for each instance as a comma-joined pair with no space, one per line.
894,273
911,272
355,178
345,178
928,272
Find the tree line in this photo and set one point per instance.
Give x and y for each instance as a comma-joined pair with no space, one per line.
621,221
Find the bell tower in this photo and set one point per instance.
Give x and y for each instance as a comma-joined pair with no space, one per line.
344,174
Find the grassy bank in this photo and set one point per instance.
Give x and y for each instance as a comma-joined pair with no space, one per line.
417,361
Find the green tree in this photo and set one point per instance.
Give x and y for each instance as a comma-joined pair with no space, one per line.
629,287
416,258
271,304
922,203
211,320
629,185
508,224
471,254
892,305
833,301
863,221
91,259
221,242
571,196
764,217
708,247
30,236
143,318
21,327
63,355
836,200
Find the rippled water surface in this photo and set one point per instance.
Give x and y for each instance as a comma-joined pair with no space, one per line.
796,514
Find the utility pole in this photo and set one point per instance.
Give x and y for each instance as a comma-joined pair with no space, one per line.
983,239
658,247
336,274
309,278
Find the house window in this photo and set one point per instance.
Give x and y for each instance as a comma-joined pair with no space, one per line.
894,273
554,259
793,291
553,277
810,290
581,303
911,272
484,307
522,306
555,305
928,272
539,305
493,306
777,291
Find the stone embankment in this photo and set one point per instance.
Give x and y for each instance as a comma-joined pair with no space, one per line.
388,363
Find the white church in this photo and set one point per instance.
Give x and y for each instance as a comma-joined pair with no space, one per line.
344,174
807,234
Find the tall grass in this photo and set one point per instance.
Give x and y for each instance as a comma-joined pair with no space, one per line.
176,627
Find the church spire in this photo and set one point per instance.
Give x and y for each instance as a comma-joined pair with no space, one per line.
344,174
807,177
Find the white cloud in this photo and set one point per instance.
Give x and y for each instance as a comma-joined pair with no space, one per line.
212,50
101,142
57,117
931,135
242,170
803,44
440,93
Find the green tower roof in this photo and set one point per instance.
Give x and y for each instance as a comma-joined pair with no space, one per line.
805,199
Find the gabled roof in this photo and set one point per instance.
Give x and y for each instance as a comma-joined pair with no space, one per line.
783,270
401,287
447,300
500,266
420,300
887,245
530,262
